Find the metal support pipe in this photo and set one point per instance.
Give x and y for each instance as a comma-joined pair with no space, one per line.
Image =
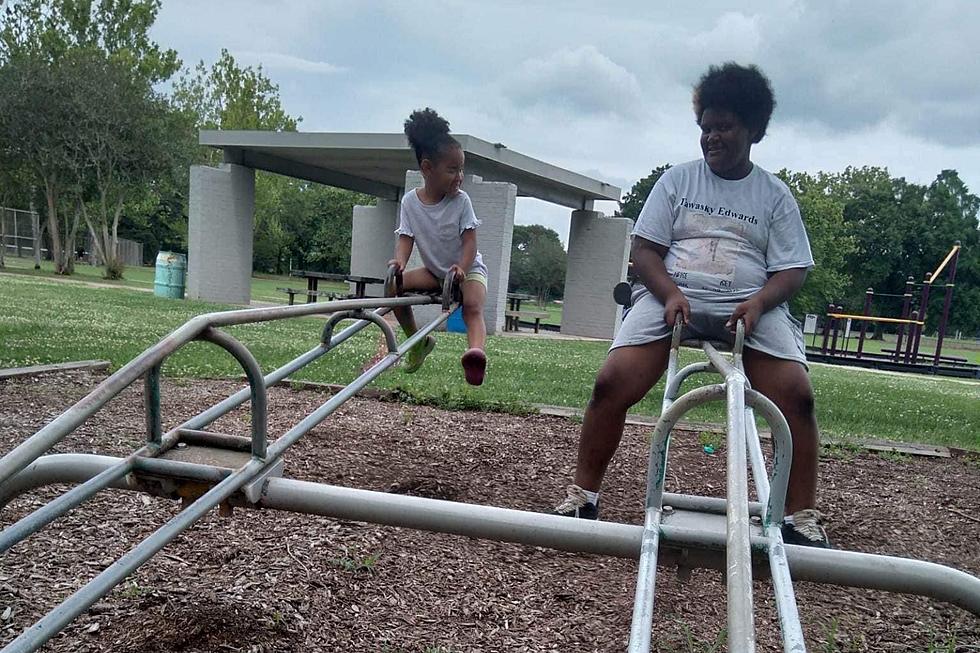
256,382
906,307
151,403
741,629
38,519
81,467
674,382
846,568
955,254
646,577
829,566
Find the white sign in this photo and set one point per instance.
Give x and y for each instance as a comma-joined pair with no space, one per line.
810,323
847,329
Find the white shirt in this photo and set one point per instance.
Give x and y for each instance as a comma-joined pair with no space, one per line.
438,230
725,237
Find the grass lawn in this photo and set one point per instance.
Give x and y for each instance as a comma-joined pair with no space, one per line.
44,321
263,285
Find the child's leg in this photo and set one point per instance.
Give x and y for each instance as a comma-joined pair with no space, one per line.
474,297
417,279
474,360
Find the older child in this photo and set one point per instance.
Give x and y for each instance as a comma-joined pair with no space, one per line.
718,240
439,218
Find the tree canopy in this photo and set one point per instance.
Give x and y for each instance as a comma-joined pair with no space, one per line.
537,262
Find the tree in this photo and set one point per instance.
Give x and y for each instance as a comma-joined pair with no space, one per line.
633,201
37,124
953,213
49,30
830,241
41,43
125,145
537,262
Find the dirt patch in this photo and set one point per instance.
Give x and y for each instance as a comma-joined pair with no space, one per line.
269,581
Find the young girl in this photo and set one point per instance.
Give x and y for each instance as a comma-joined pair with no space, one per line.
439,217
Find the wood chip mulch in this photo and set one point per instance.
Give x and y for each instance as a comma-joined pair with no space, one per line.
262,581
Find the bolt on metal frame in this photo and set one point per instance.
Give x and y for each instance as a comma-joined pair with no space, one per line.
257,484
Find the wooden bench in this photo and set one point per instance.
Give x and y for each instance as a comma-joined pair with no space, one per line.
292,292
512,319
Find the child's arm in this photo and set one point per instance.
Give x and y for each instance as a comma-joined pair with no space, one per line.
403,250
467,256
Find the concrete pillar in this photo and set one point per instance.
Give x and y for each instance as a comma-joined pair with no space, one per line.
373,242
219,233
494,203
598,255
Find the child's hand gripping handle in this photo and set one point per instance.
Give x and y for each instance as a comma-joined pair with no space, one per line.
393,280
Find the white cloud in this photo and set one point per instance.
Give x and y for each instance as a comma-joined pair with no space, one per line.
583,80
279,61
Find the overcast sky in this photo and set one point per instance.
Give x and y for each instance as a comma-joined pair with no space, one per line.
604,88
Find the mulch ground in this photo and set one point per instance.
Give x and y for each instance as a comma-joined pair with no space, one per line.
269,581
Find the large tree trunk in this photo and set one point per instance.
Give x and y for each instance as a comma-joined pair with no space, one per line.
114,265
54,232
68,253
3,237
35,232
96,241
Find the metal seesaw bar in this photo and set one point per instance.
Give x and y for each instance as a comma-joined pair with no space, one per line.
55,431
45,628
699,548
740,422
92,484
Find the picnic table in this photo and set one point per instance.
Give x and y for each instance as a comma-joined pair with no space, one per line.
513,314
313,278
514,300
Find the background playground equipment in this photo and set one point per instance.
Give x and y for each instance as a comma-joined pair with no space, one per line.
206,469
910,323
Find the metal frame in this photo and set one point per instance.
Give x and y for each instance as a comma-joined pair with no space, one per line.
257,483
742,441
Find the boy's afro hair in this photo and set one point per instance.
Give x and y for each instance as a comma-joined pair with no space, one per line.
743,90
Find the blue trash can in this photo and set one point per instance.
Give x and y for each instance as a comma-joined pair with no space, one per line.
171,272
455,322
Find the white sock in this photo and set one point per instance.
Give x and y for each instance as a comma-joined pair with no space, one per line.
593,497
788,519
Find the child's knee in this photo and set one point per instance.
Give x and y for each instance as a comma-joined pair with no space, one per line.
472,308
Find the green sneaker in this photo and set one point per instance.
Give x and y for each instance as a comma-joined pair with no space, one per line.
416,355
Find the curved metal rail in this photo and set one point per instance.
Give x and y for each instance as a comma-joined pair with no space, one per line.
227,483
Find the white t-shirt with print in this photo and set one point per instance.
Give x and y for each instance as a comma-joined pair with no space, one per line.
438,230
725,237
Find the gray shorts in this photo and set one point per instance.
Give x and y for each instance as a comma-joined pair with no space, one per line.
778,333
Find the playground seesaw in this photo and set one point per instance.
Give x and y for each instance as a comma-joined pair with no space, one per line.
206,469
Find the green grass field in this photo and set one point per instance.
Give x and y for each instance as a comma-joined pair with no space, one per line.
45,321
263,285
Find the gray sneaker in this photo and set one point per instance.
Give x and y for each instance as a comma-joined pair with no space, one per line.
577,505
806,530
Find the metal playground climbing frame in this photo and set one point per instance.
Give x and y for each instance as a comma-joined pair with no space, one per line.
206,469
